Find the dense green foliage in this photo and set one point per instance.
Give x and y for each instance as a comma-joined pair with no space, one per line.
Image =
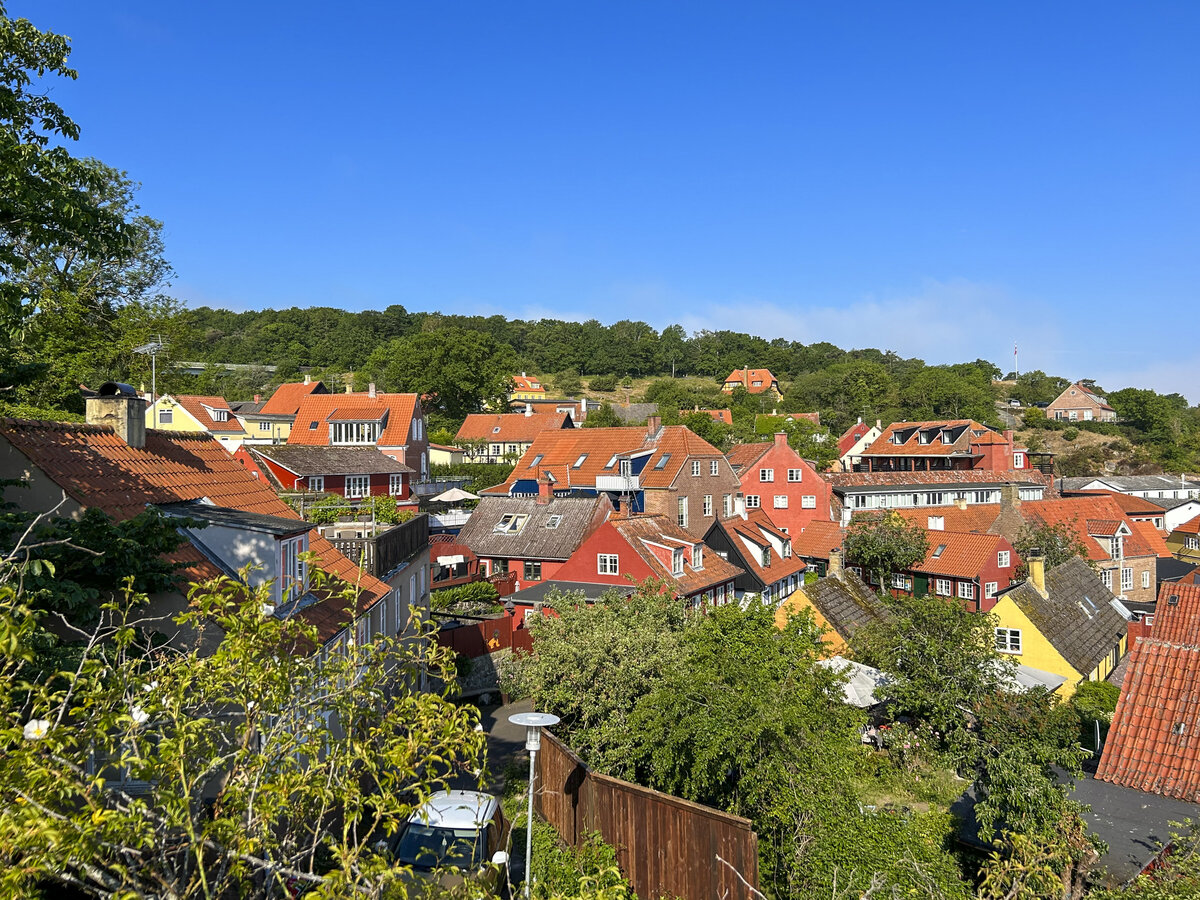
883,544
1057,543
474,592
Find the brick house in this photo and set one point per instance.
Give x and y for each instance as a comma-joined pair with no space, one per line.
668,471
652,547
753,542
350,472
1081,403
506,435
531,538
755,381
957,444
394,424
971,568
774,477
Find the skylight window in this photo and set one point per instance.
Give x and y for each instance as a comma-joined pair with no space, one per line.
612,459
554,521
496,430
511,523
939,551
579,462
662,461
537,459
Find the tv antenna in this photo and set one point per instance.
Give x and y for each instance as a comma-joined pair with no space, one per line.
152,349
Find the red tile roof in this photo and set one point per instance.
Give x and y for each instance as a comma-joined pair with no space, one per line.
968,431
198,408
747,377
754,528
941,476
1192,526
742,456
511,427
287,397
98,469
637,530
1149,537
559,451
978,517
1130,505
316,410
1154,742
528,383
1177,621
963,554
817,539
851,437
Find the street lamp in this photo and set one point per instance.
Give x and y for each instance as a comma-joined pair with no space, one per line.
534,723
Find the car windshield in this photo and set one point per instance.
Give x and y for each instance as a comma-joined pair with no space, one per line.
426,847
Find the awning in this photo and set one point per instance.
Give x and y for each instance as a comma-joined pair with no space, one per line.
451,560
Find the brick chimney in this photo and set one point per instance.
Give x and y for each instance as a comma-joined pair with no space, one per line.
781,439
258,398
118,406
371,390
1010,496
653,426
960,502
835,562
545,489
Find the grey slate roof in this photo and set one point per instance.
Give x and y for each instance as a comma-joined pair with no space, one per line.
330,460
589,592
1080,618
846,602
1125,483
235,518
534,540
1169,502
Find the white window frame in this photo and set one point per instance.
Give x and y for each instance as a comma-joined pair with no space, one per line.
293,571
608,564
353,433
966,590
901,582
1146,578
726,505
990,590
943,587
795,476
808,501
697,556
681,512
753,501
166,417
766,476
1003,559
1106,578
1191,543
781,501
677,561
1018,460
695,468
395,484
1126,578
1008,640
358,486
708,506
714,467
316,483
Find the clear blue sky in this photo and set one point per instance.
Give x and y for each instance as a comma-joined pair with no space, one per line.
941,179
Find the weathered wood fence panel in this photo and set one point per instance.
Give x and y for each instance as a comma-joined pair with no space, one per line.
666,847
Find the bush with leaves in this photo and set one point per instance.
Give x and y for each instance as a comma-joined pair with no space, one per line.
603,383
474,592
884,543
1057,542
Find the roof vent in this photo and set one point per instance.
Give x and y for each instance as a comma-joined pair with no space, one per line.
116,389
1173,600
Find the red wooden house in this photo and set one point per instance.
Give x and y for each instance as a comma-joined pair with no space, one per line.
350,472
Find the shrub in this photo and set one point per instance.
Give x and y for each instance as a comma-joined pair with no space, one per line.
1070,434
475,592
603,383
567,383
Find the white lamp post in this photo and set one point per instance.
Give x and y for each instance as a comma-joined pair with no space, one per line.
534,723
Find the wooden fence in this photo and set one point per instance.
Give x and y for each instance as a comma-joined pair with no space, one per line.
479,636
666,847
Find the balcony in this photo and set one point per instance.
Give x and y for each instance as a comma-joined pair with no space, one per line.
384,551
619,484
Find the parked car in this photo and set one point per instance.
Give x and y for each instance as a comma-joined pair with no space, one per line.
455,836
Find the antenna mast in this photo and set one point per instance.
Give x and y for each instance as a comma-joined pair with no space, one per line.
152,349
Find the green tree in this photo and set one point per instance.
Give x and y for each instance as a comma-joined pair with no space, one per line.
604,417
1057,542
456,369
883,544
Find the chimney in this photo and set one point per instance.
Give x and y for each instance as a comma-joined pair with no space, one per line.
528,409
835,562
118,406
653,426
960,502
582,411
349,389
1037,570
879,424
308,379
1010,496
371,390
258,398
781,439
1008,436
545,489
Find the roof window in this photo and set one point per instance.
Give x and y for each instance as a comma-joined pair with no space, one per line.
537,459
612,459
579,462
941,548
511,523
554,521
496,430
662,461
312,426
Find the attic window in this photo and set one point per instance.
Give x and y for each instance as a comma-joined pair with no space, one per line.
220,415
537,459
510,523
612,459
312,426
662,461
946,438
496,430
579,462
923,437
939,551
553,521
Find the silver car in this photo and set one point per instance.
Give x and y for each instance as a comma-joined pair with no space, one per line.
455,836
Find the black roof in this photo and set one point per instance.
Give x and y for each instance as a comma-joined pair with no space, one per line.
538,592
330,460
1080,617
235,518
1171,569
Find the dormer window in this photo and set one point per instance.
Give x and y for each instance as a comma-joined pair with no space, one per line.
897,437
766,557
354,432
221,415
787,549
626,467
923,437
697,556
947,438
677,562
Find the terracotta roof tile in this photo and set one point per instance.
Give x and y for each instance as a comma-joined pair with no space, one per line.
817,539
526,383
287,397
742,456
978,517
947,477
637,530
510,427
312,418
1154,741
1177,621
752,528
962,430
747,377
198,408
717,415
963,554
98,469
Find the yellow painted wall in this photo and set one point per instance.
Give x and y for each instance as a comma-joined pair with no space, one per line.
181,419
278,430
798,602
527,395
444,457
1036,651
1176,543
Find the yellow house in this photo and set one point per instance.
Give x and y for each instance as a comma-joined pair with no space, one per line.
527,387
443,455
261,427
1184,542
193,413
1064,621
840,603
